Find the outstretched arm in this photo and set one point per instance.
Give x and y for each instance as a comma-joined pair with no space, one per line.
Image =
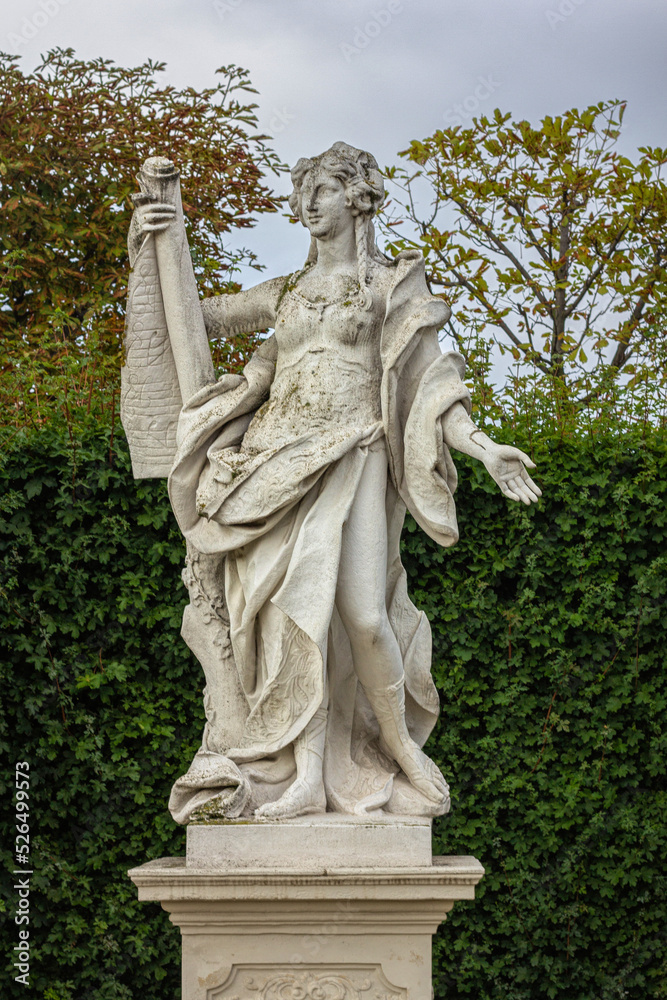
242,312
504,463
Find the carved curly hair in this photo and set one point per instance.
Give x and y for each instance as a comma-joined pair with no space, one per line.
358,171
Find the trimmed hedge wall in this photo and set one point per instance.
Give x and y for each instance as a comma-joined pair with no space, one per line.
550,642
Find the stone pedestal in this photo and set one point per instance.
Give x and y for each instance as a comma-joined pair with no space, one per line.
343,930
311,843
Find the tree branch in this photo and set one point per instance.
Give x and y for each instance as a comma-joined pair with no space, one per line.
498,320
503,249
595,273
624,348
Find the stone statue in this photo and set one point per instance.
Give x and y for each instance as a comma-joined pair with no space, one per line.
290,484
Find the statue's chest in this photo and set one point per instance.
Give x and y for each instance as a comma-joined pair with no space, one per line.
312,324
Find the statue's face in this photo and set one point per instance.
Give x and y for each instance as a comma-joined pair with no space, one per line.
323,205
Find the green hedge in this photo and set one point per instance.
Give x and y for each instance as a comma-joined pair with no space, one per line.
550,641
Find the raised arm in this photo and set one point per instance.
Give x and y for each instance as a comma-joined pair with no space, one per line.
504,463
159,216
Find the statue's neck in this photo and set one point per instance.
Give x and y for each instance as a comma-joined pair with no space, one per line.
337,253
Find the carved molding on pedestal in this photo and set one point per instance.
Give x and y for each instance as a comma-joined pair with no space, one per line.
306,982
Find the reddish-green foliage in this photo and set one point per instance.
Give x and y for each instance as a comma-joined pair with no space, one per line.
72,137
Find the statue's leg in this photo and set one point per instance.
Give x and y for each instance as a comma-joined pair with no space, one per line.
361,603
306,793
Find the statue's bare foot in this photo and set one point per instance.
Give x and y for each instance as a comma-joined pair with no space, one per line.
420,771
300,799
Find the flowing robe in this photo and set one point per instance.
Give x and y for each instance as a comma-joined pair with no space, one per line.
264,540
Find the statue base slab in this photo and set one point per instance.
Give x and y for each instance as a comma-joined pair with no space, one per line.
347,933
319,842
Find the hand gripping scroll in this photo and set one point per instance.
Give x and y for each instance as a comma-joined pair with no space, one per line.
167,356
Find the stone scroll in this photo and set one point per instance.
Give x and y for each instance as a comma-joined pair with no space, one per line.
150,394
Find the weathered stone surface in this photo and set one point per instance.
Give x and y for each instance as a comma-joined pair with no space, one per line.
333,981
318,842
339,935
290,483
150,399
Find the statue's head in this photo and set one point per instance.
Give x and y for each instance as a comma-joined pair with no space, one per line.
352,186
357,172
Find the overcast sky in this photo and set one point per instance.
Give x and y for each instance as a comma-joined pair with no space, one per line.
375,73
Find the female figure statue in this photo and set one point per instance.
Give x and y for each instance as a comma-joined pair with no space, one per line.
290,483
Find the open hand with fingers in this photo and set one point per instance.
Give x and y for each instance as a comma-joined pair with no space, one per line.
507,465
